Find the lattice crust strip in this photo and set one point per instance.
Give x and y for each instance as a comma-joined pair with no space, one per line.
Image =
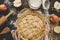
31,25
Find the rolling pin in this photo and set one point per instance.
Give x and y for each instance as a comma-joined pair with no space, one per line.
3,19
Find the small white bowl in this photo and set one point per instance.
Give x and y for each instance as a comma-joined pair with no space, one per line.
34,4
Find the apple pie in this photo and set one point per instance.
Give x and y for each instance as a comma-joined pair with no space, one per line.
30,25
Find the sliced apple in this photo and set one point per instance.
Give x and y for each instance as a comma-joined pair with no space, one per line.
57,29
17,3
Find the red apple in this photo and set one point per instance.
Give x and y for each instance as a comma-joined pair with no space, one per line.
3,7
54,18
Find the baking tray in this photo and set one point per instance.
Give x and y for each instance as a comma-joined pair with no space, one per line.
25,4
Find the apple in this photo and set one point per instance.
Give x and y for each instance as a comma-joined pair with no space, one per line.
3,7
54,18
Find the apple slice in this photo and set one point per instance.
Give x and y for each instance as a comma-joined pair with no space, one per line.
57,29
17,3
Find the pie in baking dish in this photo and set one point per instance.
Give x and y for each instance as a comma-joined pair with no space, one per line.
30,25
